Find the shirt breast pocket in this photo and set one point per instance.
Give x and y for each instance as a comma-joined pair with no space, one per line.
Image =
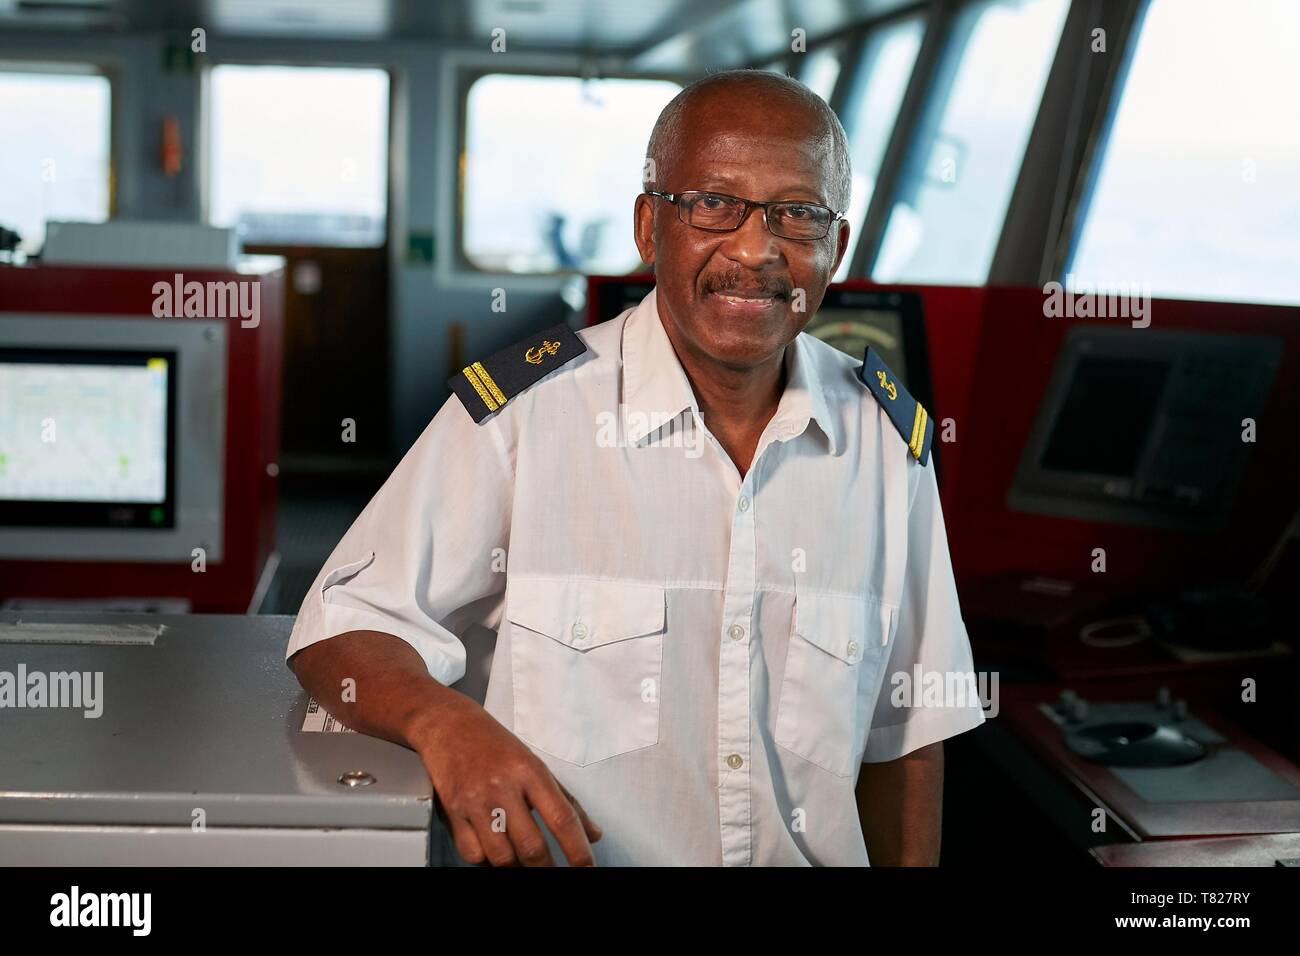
837,651
586,661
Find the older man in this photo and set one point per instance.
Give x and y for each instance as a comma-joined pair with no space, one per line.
699,609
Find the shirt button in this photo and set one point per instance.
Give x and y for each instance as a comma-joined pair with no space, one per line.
853,648
580,631
735,762
735,632
743,504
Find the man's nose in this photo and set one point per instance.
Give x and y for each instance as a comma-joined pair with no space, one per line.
752,244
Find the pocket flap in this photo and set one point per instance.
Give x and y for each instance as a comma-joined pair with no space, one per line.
344,572
586,614
842,626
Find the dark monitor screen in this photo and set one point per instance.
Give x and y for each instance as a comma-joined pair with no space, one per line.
86,438
1106,416
612,298
1137,427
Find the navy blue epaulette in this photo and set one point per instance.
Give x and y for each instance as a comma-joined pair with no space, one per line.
485,386
908,415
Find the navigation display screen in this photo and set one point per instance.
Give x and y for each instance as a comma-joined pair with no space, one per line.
86,437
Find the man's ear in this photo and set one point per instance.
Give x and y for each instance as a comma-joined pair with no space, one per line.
841,244
643,227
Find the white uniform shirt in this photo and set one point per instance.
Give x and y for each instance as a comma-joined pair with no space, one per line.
703,661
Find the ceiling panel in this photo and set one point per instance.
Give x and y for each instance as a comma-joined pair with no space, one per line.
567,24
752,31
582,24
669,35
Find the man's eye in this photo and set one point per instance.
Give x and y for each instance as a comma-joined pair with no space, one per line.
710,202
799,212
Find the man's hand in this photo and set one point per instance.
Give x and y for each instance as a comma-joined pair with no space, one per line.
485,777
478,768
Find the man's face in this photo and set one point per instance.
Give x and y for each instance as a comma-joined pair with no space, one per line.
732,296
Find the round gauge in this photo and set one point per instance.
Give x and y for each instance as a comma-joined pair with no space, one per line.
852,338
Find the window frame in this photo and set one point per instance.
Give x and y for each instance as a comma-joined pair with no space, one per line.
1067,143
1098,143
852,40
852,74
935,54
841,43
938,18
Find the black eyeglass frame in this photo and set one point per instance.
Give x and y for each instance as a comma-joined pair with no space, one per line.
750,204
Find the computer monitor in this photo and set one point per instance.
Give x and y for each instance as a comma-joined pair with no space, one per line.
112,437
1145,427
87,438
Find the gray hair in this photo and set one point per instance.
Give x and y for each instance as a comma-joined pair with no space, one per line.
665,139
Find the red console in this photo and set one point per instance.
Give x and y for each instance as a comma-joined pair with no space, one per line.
213,537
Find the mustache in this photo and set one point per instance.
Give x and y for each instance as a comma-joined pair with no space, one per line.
723,282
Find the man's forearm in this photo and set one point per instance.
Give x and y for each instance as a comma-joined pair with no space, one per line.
389,692
480,771
900,805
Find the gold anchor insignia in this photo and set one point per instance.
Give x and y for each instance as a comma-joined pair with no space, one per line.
535,356
887,385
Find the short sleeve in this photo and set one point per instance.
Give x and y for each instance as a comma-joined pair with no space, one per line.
929,690
430,545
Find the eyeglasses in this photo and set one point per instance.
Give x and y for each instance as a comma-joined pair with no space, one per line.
716,212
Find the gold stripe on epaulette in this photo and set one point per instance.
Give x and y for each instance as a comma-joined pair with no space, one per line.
491,385
918,431
472,377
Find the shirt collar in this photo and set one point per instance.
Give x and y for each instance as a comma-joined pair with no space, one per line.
805,397
656,388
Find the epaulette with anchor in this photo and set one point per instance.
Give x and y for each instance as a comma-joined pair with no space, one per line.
485,386
908,415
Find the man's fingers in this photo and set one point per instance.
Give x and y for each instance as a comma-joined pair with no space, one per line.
591,827
562,818
467,845
529,843
495,841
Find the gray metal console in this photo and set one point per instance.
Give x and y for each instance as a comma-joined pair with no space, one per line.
197,756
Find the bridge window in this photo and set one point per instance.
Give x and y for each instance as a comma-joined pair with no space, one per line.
966,154
1197,189
551,165
54,124
819,69
299,155
885,66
